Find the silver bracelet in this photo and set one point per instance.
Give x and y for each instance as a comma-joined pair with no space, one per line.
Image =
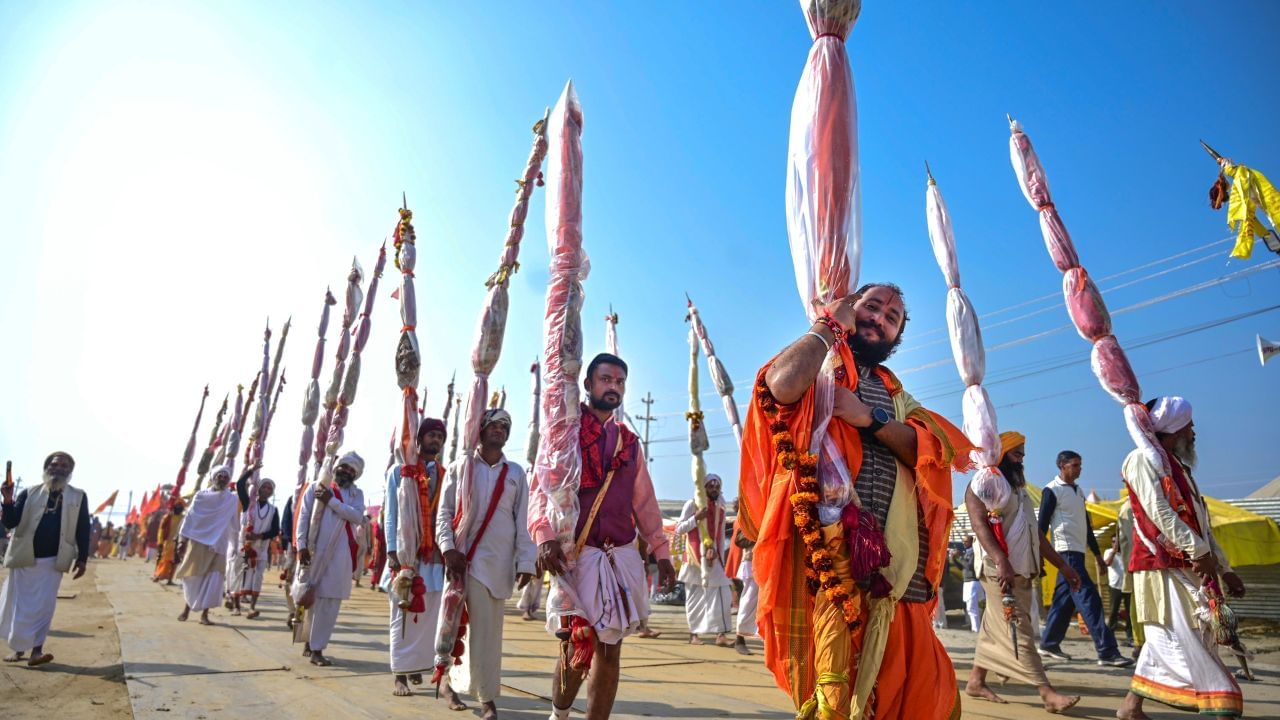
819,336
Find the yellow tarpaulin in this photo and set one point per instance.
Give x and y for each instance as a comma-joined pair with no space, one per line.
1246,537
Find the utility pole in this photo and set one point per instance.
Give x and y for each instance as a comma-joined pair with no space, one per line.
648,418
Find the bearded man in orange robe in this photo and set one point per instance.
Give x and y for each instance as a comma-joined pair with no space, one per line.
846,489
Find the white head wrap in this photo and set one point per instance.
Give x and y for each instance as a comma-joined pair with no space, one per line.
220,470
353,461
1170,414
495,415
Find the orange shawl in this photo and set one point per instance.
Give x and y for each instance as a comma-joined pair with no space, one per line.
764,514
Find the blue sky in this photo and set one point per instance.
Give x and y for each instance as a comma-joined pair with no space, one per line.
176,172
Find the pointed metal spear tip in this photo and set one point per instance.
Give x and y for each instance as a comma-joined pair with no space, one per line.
1211,151
404,200
929,172
1009,118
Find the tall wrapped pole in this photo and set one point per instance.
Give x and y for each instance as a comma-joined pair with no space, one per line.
531,447
189,452
453,441
351,306
448,403
311,399
719,376
490,331
553,493
1084,302
206,458
698,444
408,354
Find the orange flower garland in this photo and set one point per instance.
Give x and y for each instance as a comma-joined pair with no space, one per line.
819,566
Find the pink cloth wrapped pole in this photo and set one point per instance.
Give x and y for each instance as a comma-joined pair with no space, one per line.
970,356
350,381
824,220
719,376
531,445
1083,300
311,399
190,451
557,476
215,440
490,331
351,306
231,446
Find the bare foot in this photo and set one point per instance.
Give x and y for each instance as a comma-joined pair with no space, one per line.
318,658
455,702
694,639
723,641
186,613
306,649
252,614
1132,714
649,633
489,711
982,692
528,615
741,646
39,659
416,678
1057,702
15,657
402,687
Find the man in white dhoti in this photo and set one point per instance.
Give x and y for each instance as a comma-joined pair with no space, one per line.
363,541
415,574
496,553
208,531
750,597
530,599
260,523
1176,563
618,505
328,519
50,525
708,590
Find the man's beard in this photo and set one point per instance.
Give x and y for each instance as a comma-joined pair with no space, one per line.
1013,472
871,352
55,483
601,403
1185,451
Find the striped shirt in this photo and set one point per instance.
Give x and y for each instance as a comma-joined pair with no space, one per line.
878,475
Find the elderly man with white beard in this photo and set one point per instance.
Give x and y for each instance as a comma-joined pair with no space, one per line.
328,539
50,526
208,530
1176,563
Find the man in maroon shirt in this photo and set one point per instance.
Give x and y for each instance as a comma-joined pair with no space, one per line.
609,574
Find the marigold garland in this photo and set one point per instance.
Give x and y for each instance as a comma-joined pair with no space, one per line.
819,566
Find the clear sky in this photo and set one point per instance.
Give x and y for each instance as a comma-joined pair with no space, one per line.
172,173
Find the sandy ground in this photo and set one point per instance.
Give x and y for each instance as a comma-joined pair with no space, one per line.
249,669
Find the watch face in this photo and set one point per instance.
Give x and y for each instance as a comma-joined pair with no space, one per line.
880,415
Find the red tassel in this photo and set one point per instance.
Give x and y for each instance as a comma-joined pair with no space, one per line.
583,638
868,551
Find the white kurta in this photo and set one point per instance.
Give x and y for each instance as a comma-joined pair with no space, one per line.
27,603
504,550
331,561
244,580
708,590
412,635
208,526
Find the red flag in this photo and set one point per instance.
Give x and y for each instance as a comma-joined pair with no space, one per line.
110,501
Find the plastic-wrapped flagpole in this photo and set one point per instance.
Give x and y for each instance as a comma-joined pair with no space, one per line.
698,444
351,305
719,376
557,476
189,452
408,352
1084,301
531,446
490,330
215,437
311,399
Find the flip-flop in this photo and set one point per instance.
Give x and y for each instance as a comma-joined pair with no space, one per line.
14,658
41,659
321,662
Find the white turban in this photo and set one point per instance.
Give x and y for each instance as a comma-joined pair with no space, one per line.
1170,414
495,415
220,470
353,461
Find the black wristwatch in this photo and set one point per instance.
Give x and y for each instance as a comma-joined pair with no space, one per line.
878,419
